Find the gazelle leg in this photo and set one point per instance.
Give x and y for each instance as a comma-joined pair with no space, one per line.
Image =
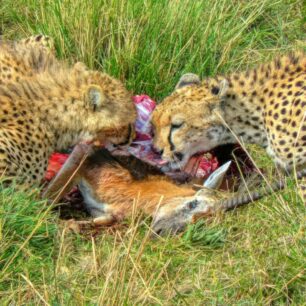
68,174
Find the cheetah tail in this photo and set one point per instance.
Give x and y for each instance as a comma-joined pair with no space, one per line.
247,198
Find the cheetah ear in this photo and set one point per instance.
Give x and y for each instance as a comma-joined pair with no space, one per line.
95,98
80,67
221,89
188,79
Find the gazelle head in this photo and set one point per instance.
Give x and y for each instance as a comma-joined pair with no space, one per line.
173,217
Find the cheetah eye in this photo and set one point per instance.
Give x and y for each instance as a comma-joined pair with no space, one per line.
176,125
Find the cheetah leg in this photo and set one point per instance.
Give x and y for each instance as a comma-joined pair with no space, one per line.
303,189
69,174
10,168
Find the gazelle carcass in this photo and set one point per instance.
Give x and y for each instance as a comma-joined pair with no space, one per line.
114,186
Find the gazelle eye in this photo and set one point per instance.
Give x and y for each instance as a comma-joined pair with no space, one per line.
193,204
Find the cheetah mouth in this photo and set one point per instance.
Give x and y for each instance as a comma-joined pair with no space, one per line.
203,162
198,160
207,161
189,165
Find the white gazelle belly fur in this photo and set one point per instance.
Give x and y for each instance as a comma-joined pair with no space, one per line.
94,207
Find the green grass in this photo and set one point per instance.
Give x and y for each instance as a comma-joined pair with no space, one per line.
149,44
253,256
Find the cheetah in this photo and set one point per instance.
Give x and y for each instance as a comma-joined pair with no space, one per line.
37,53
264,106
23,58
47,106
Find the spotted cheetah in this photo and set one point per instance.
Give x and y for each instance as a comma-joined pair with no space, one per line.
265,106
23,58
47,105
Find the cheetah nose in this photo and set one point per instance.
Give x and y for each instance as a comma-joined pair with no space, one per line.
178,155
129,138
158,151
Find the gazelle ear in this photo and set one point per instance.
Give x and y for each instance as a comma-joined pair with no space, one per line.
95,98
188,79
215,179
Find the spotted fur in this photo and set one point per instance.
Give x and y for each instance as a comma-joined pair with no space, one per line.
22,59
48,106
265,105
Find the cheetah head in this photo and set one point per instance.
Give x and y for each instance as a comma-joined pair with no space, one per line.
189,121
110,113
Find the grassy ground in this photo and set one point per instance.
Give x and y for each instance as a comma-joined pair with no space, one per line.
254,256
